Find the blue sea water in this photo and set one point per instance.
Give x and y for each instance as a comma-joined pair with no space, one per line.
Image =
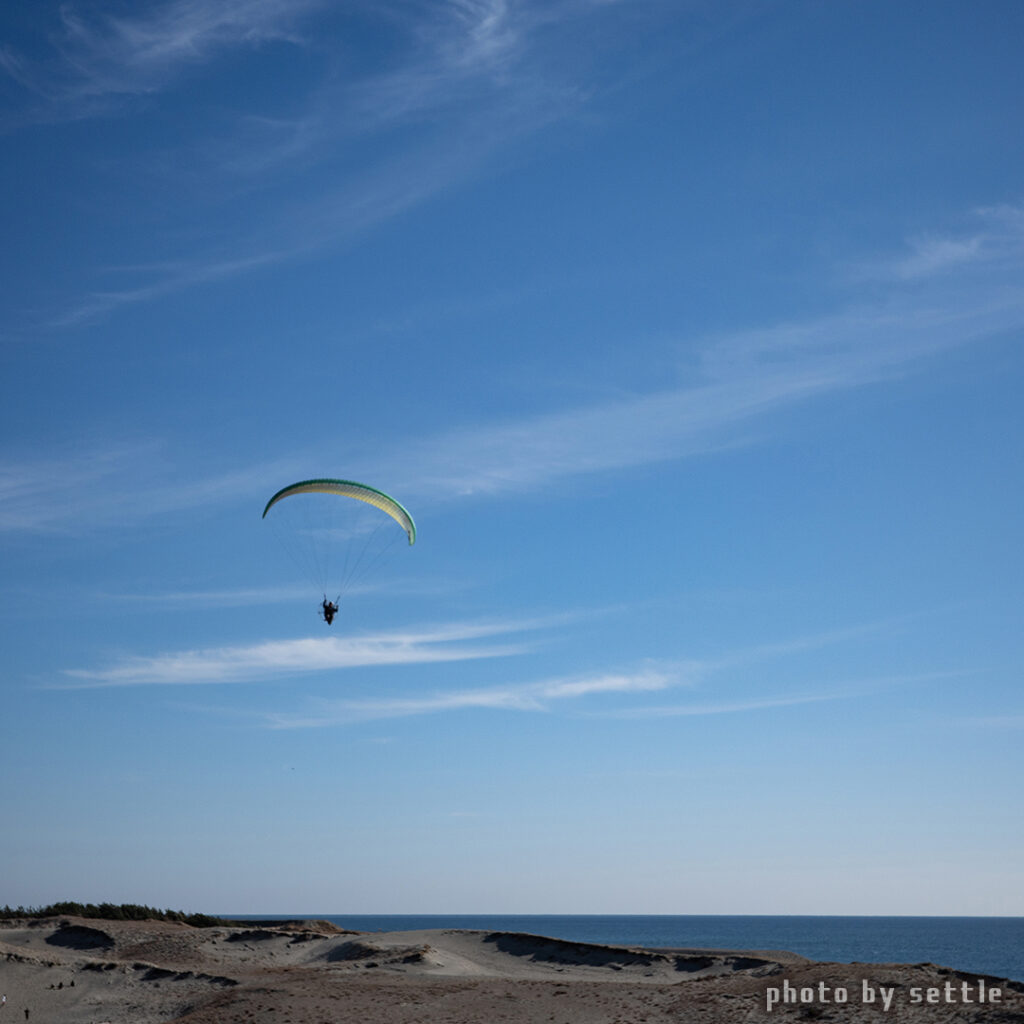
979,945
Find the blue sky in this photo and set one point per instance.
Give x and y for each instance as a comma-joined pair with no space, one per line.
690,333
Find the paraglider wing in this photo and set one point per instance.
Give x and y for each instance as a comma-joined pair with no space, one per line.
350,489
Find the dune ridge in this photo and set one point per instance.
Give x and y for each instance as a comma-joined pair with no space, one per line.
84,971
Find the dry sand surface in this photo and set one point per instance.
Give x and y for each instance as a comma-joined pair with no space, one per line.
75,971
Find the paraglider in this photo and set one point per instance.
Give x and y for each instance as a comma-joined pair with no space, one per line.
337,541
328,610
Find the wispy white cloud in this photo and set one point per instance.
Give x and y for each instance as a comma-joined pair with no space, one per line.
467,72
543,696
724,707
745,657
98,56
469,63
650,677
283,658
740,380
743,377
475,640
534,696
296,228
34,494
466,51
935,255
993,240
828,692
165,280
115,484
330,217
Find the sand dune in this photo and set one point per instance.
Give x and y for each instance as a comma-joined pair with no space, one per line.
77,971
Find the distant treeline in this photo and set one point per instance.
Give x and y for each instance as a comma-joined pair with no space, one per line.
115,912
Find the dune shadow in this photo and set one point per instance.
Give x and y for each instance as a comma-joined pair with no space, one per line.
77,936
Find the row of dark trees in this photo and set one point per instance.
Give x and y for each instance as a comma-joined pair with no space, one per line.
113,912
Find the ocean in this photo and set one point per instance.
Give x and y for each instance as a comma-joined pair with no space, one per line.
979,945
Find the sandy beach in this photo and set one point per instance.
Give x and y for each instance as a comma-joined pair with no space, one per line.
71,970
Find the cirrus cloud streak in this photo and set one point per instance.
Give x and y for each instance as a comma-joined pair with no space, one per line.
282,658
535,696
